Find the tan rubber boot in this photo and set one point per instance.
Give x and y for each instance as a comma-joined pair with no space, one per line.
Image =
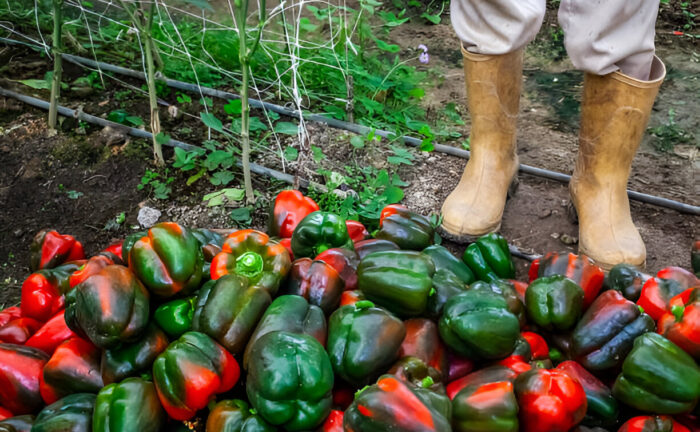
614,114
475,206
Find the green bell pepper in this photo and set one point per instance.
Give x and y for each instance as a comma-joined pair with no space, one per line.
489,258
479,325
228,310
293,314
444,260
22,423
445,286
168,260
392,405
131,405
409,230
132,359
129,243
505,290
290,380
72,413
485,407
110,307
627,279
363,340
175,317
236,416
319,232
554,302
659,377
397,280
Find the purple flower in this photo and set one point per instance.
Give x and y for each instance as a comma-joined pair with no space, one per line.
423,47
424,57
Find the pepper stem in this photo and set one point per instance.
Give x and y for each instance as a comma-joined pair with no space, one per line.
250,265
677,312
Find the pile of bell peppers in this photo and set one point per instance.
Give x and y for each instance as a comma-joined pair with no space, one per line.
316,325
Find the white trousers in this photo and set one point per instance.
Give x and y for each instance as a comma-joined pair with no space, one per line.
600,36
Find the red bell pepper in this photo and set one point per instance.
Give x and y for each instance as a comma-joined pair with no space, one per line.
345,262
334,422
366,247
287,243
520,288
42,292
343,395
578,268
19,330
319,283
91,267
74,367
652,424
51,335
550,400
422,340
515,362
9,314
482,376
20,369
50,249
114,248
356,231
680,275
658,291
682,324
351,297
5,414
288,209
602,406
459,366
538,346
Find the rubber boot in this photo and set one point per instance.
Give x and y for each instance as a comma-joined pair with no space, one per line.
614,113
475,206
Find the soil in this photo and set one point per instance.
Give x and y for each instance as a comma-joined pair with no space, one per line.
81,179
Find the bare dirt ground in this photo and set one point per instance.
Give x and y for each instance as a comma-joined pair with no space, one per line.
78,183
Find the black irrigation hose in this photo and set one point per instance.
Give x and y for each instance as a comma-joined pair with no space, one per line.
358,129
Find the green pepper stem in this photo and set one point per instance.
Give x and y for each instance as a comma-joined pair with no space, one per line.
364,304
249,264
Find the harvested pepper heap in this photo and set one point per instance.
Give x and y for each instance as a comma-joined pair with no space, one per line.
316,326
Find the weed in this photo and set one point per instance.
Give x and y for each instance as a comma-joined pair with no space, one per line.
669,134
158,184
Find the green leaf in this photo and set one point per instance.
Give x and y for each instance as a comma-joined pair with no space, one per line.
256,125
162,138
218,158
241,215
290,153
393,194
221,178
233,107
427,145
36,84
392,48
357,141
435,19
211,121
135,121
194,177
317,153
286,128
202,4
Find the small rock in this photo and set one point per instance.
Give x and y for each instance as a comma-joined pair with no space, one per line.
545,213
568,240
148,216
432,159
554,235
18,232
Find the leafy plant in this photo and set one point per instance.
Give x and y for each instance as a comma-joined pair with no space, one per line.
670,134
159,184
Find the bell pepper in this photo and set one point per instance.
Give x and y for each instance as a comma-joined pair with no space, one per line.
416,372
407,229
292,314
682,325
114,250
366,247
398,280
345,262
134,358
459,366
605,334
18,331
131,405
479,325
578,268
9,314
652,424
290,380
73,368
43,291
72,413
92,266
51,334
129,242
228,309
485,407
288,209
175,316
444,260
505,290
20,369
252,254
236,416
287,244
356,230
363,340
5,414
658,291
208,237
393,405
695,258
489,258
538,346
334,422
554,302
445,286
190,372
657,376
489,374
627,279
318,232
50,249
351,297
422,340
317,282
549,400
110,307
168,260
602,406
21,423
